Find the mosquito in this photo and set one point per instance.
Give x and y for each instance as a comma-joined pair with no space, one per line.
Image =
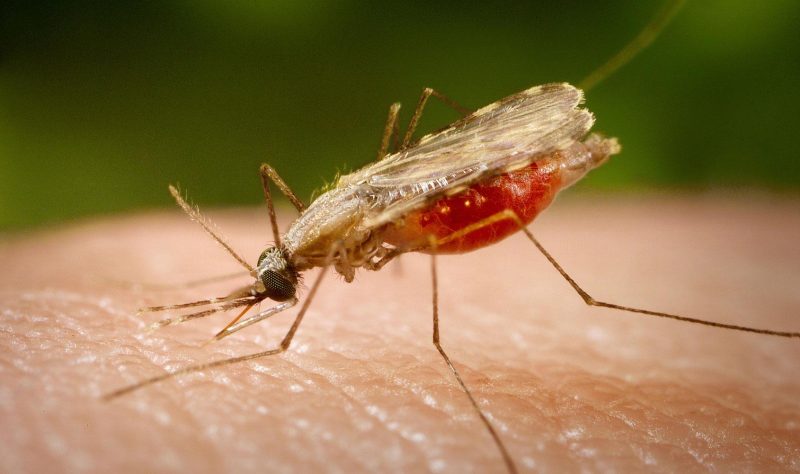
464,187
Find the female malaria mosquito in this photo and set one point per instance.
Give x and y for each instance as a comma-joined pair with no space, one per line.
469,185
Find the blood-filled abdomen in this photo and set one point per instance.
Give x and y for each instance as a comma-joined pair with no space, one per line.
526,192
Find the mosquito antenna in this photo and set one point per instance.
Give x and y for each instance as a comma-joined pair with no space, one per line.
194,214
636,45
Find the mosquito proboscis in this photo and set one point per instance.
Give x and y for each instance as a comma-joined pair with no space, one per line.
469,185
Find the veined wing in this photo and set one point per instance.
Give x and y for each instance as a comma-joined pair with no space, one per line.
501,137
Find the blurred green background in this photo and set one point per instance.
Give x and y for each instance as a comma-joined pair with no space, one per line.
102,104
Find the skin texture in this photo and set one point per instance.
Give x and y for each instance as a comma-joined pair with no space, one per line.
569,388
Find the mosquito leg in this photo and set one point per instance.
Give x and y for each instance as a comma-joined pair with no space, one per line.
268,174
284,344
389,130
589,300
593,302
423,99
498,442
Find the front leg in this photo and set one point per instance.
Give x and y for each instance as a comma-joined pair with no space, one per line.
268,174
343,266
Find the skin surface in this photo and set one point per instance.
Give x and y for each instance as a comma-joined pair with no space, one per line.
569,388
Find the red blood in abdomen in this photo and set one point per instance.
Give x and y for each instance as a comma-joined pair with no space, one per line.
527,192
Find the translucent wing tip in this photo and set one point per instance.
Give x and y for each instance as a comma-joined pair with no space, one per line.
563,92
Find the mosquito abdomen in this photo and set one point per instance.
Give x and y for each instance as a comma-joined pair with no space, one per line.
527,192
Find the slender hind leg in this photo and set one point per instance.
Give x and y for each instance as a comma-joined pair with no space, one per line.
511,215
497,441
589,300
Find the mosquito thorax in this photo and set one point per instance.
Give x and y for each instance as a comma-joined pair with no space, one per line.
276,274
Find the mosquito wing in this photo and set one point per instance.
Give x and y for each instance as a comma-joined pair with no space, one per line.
501,137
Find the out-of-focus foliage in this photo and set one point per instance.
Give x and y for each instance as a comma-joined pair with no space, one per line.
102,104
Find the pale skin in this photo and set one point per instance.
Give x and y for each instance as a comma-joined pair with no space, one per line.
362,388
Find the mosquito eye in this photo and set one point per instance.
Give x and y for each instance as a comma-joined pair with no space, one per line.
278,287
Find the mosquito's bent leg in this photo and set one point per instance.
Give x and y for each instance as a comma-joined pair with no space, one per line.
268,171
435,291
389,130
508,214
589,300
423,99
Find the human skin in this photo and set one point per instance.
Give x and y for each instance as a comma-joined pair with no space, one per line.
569,387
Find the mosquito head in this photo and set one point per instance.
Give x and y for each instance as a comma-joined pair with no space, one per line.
276,274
